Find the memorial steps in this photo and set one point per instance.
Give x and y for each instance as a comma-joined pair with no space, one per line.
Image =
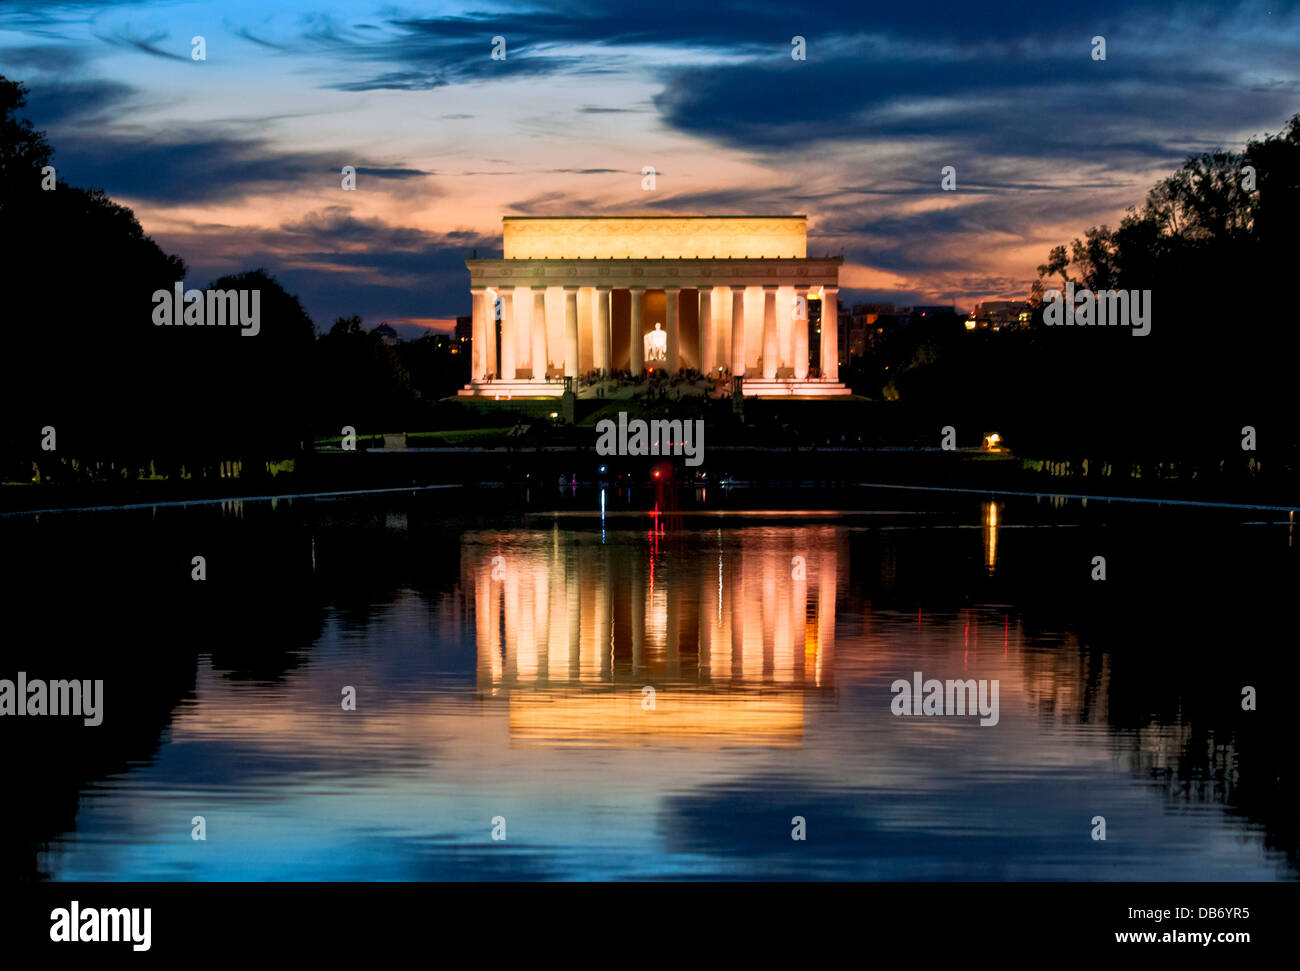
789,388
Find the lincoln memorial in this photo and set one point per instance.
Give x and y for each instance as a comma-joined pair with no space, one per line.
728,296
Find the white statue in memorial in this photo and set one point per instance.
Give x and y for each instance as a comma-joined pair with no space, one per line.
656,344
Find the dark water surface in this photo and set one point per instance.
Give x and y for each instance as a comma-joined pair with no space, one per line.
501,664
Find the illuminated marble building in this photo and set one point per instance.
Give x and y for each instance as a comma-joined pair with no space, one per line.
570,635
736,296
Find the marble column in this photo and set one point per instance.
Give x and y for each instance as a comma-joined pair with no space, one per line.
738,331
707,339
478,334
800,333
570,331
490,348
637,347
523,311
726,321
600,336
830,334
771,352
509,343
539,334
673,364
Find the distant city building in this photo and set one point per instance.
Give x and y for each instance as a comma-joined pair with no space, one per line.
999,315
865,325
387,334
464,328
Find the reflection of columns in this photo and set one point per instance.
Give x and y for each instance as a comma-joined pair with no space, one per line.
526,652
541,617
478,337
672,646
573,579
783,637
673,364
800,326
771,353
720,624
770,608
539,334
738,330
486,627
510,616
706,623
509,343
737,612
799,608
637,347
600,337
557,644
830,334
604,581
707,340
570,331
637,601
826,589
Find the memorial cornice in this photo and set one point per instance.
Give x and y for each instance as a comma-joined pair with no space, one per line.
656,274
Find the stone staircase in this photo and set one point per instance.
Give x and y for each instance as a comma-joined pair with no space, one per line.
510,390
789,388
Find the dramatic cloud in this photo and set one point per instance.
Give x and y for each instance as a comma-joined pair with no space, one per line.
235,161
200,166
340,263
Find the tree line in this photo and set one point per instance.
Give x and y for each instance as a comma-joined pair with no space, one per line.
1215,244
84,368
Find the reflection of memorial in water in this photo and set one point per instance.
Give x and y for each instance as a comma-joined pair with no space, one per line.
732,640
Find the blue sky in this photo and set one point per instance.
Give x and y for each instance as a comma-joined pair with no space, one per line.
233,162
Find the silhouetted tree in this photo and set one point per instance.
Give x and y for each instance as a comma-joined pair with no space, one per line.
81,351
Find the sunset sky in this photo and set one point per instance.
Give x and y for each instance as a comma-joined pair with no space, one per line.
234,162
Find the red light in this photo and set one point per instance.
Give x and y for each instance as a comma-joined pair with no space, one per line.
656,473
